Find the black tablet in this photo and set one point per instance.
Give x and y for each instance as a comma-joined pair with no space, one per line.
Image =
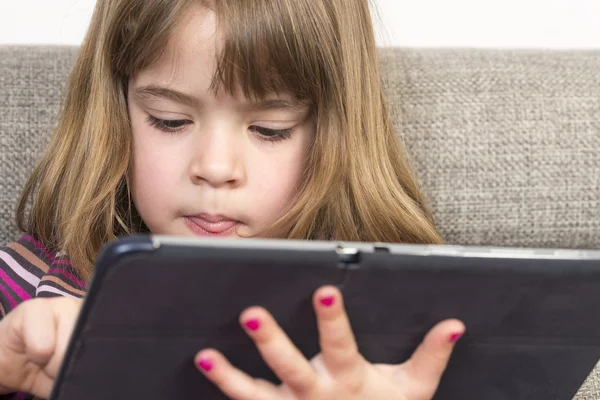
532,315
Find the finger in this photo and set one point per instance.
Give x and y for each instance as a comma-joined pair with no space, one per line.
338,345
42,387
430,359
65,317
38,334
38,331
278,351
235,384
46,333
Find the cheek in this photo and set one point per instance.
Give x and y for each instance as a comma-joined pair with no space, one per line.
140,170
276,188
277,181
142,186
149,176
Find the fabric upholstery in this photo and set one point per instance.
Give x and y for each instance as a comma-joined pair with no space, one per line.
506,143
31,84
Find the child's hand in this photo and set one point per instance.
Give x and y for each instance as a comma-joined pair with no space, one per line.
339,372
33,340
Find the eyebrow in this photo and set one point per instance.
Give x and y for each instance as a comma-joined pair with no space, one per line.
278,104
161,92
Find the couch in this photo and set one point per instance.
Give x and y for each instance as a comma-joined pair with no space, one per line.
506,143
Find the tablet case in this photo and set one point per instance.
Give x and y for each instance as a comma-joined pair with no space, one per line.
533,326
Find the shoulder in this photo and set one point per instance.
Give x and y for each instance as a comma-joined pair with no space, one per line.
22,265
28,270
61,280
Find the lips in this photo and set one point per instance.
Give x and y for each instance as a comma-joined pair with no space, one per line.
211,225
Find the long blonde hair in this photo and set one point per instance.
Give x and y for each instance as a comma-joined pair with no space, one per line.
358,184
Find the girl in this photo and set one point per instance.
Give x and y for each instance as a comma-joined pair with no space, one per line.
246,118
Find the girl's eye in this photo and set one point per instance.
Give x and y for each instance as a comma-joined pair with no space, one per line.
168,125
272,135
176,125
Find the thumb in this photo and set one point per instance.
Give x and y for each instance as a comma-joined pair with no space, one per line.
47,328
27,343
37,330
66,312
430,359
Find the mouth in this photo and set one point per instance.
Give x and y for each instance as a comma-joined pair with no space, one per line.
211,225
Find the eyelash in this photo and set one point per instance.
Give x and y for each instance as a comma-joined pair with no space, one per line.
162,124
267,134
272,135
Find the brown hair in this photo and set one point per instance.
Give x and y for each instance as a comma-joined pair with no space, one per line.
358,184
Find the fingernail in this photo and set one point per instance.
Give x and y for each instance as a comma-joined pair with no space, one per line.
455,337
328,301
205,364
253,324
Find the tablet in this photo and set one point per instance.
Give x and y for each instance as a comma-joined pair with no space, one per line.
532,315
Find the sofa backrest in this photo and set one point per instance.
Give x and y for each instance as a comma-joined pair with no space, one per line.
505,143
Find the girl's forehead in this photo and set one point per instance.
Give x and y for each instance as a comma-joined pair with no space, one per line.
206,51
196,38
190,53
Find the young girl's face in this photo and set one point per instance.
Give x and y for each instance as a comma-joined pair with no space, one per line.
210,165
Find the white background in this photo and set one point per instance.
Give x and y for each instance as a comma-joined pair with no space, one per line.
424,23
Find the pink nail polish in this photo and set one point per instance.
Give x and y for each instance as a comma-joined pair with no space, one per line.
455,337
328,301
205,364
253,324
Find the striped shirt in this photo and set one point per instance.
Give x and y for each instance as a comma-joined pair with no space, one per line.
28,270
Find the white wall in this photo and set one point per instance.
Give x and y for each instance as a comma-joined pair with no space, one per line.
491,23
436,23
44,21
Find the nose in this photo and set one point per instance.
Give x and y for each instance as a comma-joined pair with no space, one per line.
217,159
